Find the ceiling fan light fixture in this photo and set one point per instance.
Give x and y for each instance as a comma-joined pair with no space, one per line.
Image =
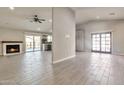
36,19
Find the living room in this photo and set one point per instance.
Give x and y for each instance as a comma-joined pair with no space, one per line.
61,43
15,26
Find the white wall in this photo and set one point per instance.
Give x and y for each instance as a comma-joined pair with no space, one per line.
116,27
14,35
10,35
79,40
63,34
118,38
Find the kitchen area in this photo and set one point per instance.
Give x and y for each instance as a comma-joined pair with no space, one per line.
46,42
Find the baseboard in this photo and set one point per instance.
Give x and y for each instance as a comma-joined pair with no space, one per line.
113,53
63,59
119,54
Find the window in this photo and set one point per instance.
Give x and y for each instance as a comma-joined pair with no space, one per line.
37,43
101,42
29,43
96,42
33,43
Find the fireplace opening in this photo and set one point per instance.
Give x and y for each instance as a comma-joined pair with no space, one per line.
12,48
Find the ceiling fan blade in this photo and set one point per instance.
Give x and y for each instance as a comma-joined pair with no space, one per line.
30,18
39,21
42,19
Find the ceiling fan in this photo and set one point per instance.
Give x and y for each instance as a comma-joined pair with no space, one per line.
36,19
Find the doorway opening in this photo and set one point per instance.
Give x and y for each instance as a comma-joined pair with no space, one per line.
101,42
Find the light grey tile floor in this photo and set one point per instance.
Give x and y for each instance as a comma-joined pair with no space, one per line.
85,69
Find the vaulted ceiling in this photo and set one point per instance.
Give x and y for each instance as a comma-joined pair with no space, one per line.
86,14
19,18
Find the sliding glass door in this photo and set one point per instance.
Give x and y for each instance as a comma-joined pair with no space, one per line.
101,42
33,43
106,42
29,43
96,42
37,43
